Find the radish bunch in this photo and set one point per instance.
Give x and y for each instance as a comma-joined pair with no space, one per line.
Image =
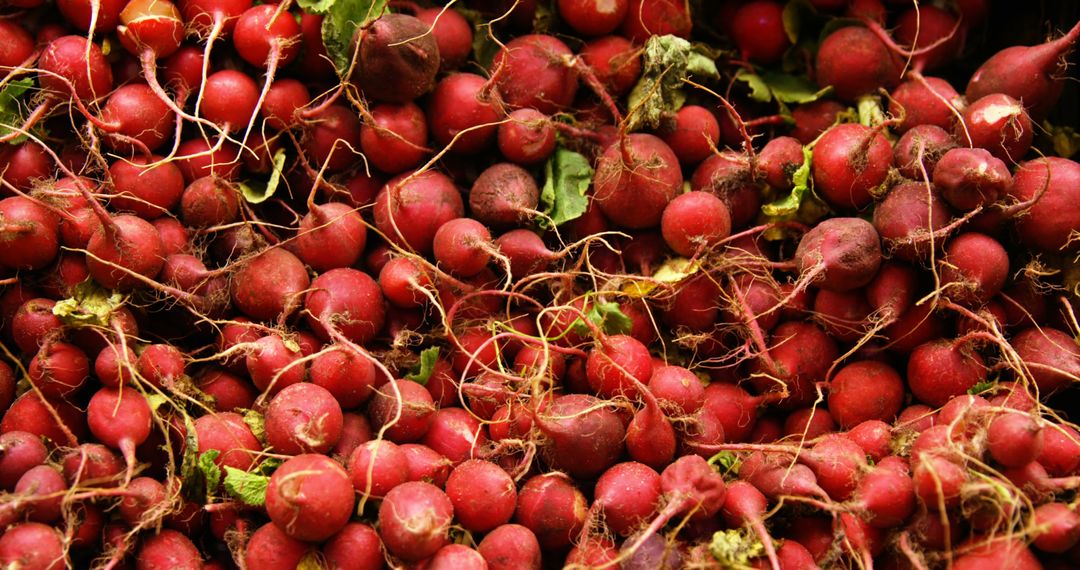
522,285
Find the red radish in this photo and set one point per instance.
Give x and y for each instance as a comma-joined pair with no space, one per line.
801,354
838,463
694,134
1051,357
283,99
865,390
988,553
850,161
161,364
971,177
593,17
758,31
906,218
453,34
1032,74
229,391
688,486
269,548
426,464
78,62
92,464
146,494
932,32
347,375
33,414
394,140
402,280
230,99
267,37
272,283
18,48
412,207
376,467
462,113
730,177
621,181
146,186
646,18
504,195
32,545
227,433
510,547
812,119
347,301
745,505
809,423
1057,527
614,365
58,369
414,520
919,149
357,545
333,138
107,407
140,118
456,434
855,62
463,246
355,430
778,161
839,254
615,61
273,365
586,438
695,221
893,290
198,157
19,452
974,269
886,494
925,101
553,508
940,370
42,488
32,324
303,418
526,252
122,250
1052,184
29,234
483,495
209,201
399,59
627,494
545,61
169,549
873,436
938,481
402,410
456,556
1014,439
527,138
151,27
999,124
310,497
678,388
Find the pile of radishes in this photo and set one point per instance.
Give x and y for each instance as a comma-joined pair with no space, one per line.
530,284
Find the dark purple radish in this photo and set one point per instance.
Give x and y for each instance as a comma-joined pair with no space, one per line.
29,234
504,195
919,149
925,101
695,221
303,418
778,161
331,235
1051,357
971,177
463,247
553,508
146,186
414,520
526,252
345,302
850,161
1051,185
545,61
453,34
908,218
999,124
120,420
744,505
310,497
635,180
855,62
940,370
586,437
688,486
463,114
974,268
839,254
527,138
394,141
124,249
510,547
1032,74
58,369
270,284
412,207
399,59
483,495
210,201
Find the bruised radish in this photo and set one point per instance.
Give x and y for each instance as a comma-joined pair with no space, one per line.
504,195
839,254
907,217
999,124
635,180
971,177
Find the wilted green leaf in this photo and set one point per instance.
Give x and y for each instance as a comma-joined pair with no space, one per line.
666,62
248,488
90,305
422,371
789,205
1064,141
567,179
256,422
256,191
735,548
11,108
725,462
870,112
759,90
316,6
781,87
342,20
607,316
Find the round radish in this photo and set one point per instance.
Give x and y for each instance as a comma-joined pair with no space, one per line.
310,497
414,520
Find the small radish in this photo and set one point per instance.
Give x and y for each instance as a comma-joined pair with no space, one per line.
1049,185
463,114
413,206
593,17
357,545
850,161
855,62
621,180
483,495
647,18
510,547
414,520
107,407
552,507
758,30
839,254
376,467
906,218
269,548
919,149
925,101
865,390
999,124
586,437
399,59
971,177
695,221
528,138
453,34
309,497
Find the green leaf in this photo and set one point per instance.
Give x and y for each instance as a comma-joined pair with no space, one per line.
1063,141
789,205
982,387
735,548
795,12
89,306
256,422
869,111
248,488
191,481
781,87
256,191
11,108
607,316
422,371
210,471
342,21
568,176
156,400
725,462
317,6
759,90
666,62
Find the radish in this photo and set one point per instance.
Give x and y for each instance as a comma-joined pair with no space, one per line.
1048,185
586,437
527,138
641,169
412,207
925,101
886,494
865,390
483,495
393,141
32,324
303,418
1057,527
695,221
283,101
526,252
453,34
376,467
919,150
169,549
274,365
463,246
402,410
92,464
1051,357
504,195
812,119
545,60
1014,439
38,416
58,369
986,553
646,18
20,451
553,508
140,119
402,280
969,178
677,389
938,481
593,17
269,284
745,505
693,135
463,113
161,364
809,423
908,218
346,375
33,545
309,497
999,124
940,370
729,176
269,547
399,59
107,407
456,434
757,29
453,556
850,161
855,62
1032,74
209,201
974,269
615,62
510,547
227,433
933,33
147,187
40,493
688,486
333,138
29,234
414,520
778,161
347,303
799,358
357,545
627,495
839,254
